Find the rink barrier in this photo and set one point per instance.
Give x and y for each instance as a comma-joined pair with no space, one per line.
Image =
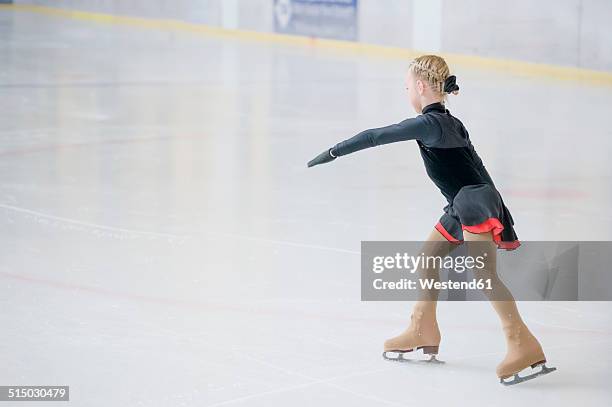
523,68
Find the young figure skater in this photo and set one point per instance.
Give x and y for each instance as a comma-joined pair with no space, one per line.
475,212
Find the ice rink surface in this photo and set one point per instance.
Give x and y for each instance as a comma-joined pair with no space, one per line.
164,244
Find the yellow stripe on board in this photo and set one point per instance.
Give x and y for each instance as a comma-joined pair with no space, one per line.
508,66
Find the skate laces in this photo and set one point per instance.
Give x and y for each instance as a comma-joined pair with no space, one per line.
516,334
415,320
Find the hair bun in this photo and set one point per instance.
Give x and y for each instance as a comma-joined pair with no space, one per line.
450,84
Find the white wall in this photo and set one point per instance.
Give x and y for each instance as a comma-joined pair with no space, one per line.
596,35
567,32
563,32
386,24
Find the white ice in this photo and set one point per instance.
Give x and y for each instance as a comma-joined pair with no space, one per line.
164,244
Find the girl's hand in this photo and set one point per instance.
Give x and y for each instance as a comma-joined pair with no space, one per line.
325,157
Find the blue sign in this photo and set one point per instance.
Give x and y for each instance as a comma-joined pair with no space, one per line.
317,18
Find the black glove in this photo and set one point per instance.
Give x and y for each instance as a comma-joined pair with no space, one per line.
322,158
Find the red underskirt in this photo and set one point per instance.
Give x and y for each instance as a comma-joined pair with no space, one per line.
491,224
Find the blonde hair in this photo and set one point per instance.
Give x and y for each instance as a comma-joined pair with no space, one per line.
433,70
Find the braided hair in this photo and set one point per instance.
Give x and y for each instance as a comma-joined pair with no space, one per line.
434,70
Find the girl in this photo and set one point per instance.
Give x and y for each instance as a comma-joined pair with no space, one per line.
475,212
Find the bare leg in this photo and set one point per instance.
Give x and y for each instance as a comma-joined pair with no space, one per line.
423,331
435,245
523,348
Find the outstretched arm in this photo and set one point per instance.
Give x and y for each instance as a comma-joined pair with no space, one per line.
410,129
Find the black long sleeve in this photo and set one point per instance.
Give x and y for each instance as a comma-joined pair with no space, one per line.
450,159
416,128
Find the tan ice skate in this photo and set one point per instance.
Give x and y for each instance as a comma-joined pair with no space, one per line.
423,333
524,350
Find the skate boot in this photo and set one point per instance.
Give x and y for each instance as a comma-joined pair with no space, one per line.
524,351
423,333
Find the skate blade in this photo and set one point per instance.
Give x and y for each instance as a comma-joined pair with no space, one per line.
520,379
400,358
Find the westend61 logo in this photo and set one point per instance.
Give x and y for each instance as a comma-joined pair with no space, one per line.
404,261
482,271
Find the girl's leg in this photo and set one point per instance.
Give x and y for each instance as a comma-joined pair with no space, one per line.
523,349
435,245
423,331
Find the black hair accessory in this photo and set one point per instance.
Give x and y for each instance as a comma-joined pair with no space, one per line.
450,84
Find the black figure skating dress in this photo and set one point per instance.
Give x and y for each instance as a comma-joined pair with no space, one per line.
474,204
